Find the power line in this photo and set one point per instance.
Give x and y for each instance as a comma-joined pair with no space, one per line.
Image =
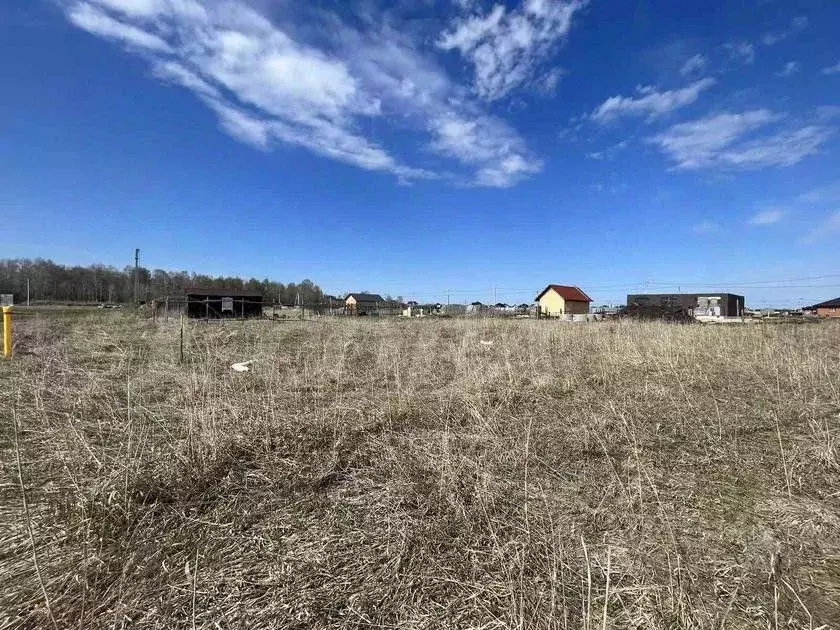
747,283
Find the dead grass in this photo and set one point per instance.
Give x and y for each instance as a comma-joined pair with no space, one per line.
403,474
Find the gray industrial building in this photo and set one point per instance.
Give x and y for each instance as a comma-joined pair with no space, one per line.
698,304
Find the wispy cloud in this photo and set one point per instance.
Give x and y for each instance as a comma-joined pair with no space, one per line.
797,25
650,102
827,113
789,69
835,69
506,46
269,84
705,227
770,216
827,228
548,82
743,52
731,141
99,23
695,64
609,152
488,143
821,195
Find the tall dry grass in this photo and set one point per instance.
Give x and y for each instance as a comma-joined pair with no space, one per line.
420,474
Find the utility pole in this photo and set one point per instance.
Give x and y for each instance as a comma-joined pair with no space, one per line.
27,291
136,278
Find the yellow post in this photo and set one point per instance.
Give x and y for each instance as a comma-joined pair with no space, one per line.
7,332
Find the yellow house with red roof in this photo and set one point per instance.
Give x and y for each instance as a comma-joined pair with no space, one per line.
560,299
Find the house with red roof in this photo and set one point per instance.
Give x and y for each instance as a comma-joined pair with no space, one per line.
831,308
560,299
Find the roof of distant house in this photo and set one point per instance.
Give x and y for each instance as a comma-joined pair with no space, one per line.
573,294
835,303
366,297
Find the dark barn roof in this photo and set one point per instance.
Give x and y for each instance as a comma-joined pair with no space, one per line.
573,294
366,297
835,303
221,292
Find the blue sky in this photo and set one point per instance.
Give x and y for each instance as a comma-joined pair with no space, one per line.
479,149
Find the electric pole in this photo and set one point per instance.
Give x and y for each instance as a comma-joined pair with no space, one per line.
136,278
27,291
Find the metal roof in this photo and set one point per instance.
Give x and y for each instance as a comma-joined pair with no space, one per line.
221,292
366,297
573,294
835,303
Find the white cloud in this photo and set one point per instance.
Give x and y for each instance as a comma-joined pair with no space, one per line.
96,21
547,84
741,51
770,216
506,47
464,4
650,103
267,85
782,149
835,69
695,64
789,69
487,142
796,25
721,141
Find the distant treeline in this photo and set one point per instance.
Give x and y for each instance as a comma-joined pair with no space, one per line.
50,282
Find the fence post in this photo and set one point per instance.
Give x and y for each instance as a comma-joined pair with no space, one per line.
7,332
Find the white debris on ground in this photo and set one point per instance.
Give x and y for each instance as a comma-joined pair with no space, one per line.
242,367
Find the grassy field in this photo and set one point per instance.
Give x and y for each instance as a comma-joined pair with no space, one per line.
419,474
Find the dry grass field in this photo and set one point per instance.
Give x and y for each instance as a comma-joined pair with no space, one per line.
419,474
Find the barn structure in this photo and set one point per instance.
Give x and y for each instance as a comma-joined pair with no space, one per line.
207,303
363,303
560,299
